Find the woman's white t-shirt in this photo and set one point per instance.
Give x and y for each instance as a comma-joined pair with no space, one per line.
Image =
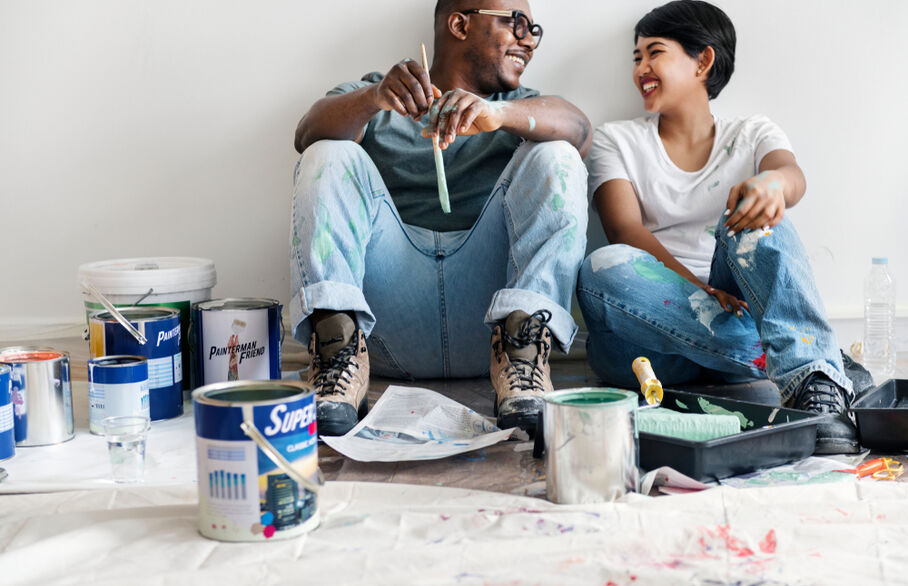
682,208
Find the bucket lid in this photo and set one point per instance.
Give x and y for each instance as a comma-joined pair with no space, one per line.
135,276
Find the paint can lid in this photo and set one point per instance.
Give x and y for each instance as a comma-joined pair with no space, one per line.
135,276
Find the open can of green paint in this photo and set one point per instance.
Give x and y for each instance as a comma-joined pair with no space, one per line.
591,445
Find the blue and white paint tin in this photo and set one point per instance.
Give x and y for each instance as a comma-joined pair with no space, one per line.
7,431
257,460
161,327
117,385
41,395
237,339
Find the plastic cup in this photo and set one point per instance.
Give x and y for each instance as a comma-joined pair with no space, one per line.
126,436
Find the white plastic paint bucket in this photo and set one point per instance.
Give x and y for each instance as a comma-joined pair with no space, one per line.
167,281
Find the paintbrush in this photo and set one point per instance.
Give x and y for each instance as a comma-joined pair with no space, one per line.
439,163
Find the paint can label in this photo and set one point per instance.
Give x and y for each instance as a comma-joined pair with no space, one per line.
161,328
243,495
235,340
117,385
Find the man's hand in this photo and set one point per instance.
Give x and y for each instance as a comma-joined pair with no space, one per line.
406,89
459,112
756,203
728,301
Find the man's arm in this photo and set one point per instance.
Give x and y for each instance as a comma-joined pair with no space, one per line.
544,118
404,89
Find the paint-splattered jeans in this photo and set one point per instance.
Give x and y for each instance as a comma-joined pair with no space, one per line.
635,306
425,299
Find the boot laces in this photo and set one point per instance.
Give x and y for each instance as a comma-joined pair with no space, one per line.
820,396
526,374
336,373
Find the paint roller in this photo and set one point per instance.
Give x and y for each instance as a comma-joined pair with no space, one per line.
695,427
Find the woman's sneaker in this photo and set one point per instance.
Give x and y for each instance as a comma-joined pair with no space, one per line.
339,374
836,434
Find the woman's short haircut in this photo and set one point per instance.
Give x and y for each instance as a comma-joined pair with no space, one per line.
695,25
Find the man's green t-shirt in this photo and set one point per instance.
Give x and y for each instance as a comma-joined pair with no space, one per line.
407,164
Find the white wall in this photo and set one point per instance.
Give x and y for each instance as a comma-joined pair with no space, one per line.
138,128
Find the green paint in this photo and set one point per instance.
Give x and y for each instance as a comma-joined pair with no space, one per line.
323,243
557,202
593,397
730,146
532,122
711,230
708,407
656,271
680,404
322,170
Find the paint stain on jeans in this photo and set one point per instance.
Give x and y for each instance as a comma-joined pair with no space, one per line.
657,272
323,243
760,362
705,307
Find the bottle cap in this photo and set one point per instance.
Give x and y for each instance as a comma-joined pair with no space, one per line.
880,260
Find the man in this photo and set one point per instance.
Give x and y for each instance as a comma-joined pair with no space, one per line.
377,264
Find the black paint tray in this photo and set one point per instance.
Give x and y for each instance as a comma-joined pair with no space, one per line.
771,436
882,416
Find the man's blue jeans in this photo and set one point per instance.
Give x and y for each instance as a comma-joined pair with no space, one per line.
635,306
423,298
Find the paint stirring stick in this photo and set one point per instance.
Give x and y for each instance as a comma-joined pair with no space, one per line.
439,163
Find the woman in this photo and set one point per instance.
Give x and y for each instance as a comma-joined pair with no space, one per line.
705,271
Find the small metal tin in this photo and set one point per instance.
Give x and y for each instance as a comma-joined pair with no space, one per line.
41,395
591,445
257,447
236,339
117,385
7,426
161,327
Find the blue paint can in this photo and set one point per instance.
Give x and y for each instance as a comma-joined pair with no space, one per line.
117,385
236,339
7,431
161,327
257,448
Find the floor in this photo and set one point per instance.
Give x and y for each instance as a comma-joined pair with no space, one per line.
507,467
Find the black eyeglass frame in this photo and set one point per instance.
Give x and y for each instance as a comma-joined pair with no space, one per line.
532,28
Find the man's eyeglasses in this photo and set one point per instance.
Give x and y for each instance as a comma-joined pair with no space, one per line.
522,24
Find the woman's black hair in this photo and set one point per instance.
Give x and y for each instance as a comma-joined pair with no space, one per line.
695,25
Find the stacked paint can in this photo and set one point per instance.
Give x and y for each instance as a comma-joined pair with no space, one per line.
236,339
256,443
40,393
172,282
164,361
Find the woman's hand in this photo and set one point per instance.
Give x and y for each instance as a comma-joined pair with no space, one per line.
757,203
728,301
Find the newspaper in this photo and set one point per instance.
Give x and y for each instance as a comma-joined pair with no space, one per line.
409,423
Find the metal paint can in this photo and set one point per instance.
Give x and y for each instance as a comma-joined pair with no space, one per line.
236,339
161,327
41,395
117,385
257,449
591,445
7,427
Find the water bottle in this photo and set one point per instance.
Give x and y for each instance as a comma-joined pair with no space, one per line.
879,321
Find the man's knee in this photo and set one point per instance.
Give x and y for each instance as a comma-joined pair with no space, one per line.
321,155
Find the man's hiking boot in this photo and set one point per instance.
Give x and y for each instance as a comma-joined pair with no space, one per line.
339,374
520,369
836,434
